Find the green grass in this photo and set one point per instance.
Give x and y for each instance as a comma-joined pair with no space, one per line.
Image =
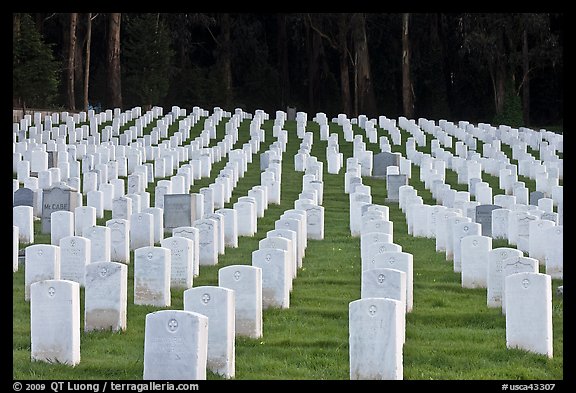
450,335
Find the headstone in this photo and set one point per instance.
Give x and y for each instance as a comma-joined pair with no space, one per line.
119,240
141,230
194,235
99,242
230,227
181,265
23,218
246,217
535,196
42,262
84,217
386,283
61,225
54,199
55,321
499,228
554,252
217,303
382,161
484,218
246,282
393,184
315,222
529,313
175,345
495,275
537,239
152,276
402,261
516,264
375,339
25,197
106,296
179,210
475,249
158,222
207,230
75,256
15,248
460,231
275,277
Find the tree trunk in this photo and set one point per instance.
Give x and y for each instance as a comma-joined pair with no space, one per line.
113,61
344,68
407,97
282,47
365,91
87,60
525,79
70,94
226,58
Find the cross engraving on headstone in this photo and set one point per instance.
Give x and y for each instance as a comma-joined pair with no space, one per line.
172,325
372,310
205,298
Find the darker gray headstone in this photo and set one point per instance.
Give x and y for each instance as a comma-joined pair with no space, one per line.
484,218
179,211
534,196
393,184
383,160
52,159
56,199
25,197
291,113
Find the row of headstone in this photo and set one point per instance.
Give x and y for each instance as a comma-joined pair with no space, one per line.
464,240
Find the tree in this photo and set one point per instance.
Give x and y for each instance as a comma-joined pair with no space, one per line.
29,55
87,60
70,63
114,85
364,92
147,58
407,90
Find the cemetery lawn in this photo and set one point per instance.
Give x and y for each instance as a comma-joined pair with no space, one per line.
451,334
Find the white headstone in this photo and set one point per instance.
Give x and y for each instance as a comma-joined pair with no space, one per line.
42,262
194,235
475,249
75,255
175,345
529,312
275,277
61,225
106,296
23,218
152,276
537,239
55,321
182,269
246,282
516,264
554,252
230,227
495,276
402,261
459,232
141,230
208,235
375,339
100,242
217,303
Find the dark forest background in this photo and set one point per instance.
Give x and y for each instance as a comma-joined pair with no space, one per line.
500,68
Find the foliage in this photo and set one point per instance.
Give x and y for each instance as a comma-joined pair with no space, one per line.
512,111
35,72
147,60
